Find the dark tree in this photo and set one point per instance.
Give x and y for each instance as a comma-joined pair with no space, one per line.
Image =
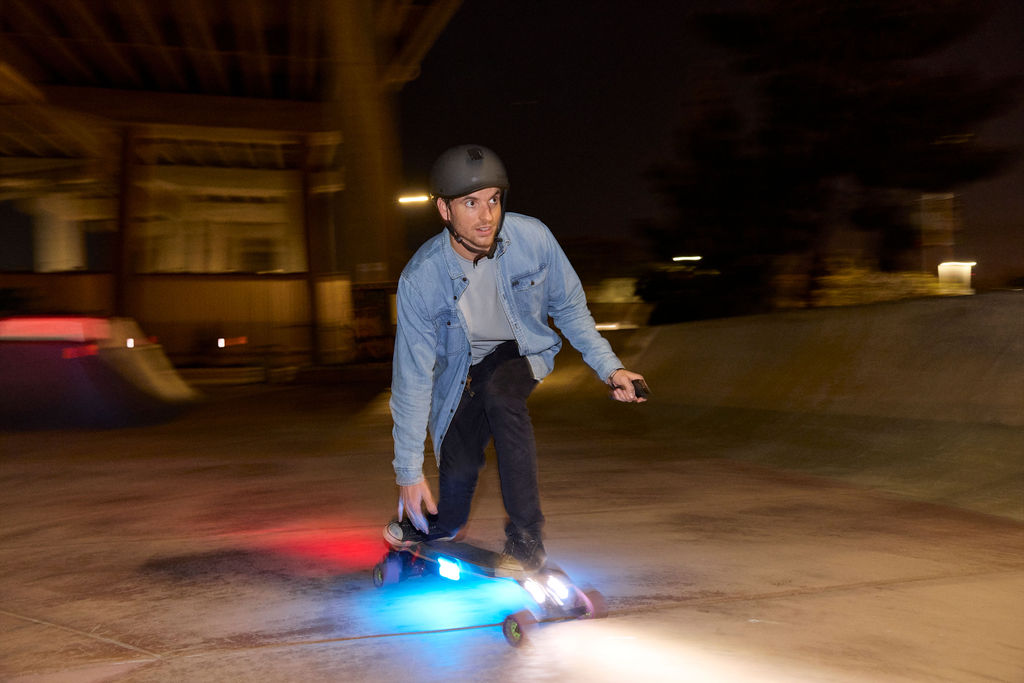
846,126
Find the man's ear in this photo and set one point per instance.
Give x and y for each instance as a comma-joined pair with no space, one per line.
442,208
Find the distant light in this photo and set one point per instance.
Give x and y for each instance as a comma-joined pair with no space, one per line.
955,277
72,328
130,343
223,342
73,352
686,258
449,569
413,199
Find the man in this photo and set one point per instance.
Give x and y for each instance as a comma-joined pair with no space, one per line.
473,341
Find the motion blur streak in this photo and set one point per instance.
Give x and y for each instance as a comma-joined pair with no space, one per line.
317,547
429,603
347,550
620,650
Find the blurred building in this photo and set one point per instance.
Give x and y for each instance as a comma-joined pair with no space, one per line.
212,169
939,224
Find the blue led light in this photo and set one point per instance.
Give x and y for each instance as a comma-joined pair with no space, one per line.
449,569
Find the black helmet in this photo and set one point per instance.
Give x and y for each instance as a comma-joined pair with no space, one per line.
465,169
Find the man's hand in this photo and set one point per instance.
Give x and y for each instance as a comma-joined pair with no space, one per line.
412,499
621,383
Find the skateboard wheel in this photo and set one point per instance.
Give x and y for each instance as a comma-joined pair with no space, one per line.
516,627
386,572
378,574
594,605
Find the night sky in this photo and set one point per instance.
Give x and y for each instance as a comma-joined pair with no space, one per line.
580,99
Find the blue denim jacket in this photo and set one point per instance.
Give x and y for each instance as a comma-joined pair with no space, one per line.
432,352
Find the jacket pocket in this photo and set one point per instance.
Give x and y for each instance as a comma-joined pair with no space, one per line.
529,292
529,281
451,338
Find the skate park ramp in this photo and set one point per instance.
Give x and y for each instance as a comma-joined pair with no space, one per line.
84,372
924,398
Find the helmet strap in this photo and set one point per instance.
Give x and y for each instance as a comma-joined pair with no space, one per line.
480,253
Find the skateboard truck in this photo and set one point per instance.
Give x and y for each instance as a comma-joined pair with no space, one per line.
552,588
555,601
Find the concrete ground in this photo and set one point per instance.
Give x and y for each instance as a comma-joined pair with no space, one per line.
801,500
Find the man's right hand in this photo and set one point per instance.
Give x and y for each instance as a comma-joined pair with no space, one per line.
412,499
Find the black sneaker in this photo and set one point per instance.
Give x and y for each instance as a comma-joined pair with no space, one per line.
522,552
404,535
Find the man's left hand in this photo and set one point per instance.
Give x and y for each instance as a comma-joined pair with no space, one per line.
621,383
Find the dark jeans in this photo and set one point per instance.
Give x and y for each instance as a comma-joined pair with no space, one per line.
493,404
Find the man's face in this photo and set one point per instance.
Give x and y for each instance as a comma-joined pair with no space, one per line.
474,217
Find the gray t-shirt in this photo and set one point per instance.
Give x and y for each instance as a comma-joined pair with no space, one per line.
480,305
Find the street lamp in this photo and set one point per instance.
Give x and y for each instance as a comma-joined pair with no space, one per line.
413,199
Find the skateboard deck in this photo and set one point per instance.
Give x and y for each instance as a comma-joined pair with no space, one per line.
455,557
555,595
